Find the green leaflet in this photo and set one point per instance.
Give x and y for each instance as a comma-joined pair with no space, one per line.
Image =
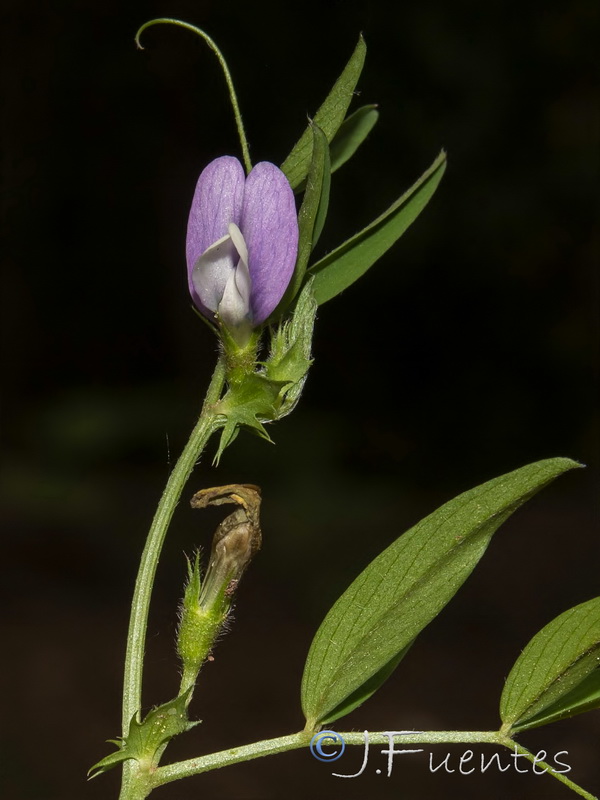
344,265
329,117
554,664
352,133
405,587
584,697
323,180
365,690
313,212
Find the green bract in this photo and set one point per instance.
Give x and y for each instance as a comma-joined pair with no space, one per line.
146,740
272,391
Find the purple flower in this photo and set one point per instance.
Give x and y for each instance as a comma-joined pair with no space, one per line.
242,242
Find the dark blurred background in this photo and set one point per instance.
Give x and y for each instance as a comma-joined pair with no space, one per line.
468,351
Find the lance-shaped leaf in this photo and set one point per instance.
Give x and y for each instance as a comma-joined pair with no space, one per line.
344,265
406,586
555,662
352,133
329,117
313,211
366,689
584,697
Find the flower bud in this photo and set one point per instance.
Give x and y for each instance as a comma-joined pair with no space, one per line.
242,244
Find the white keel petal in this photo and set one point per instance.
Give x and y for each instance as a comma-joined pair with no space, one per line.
213,270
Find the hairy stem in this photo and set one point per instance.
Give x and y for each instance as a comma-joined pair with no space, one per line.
282,744
542,765
194,766
208,422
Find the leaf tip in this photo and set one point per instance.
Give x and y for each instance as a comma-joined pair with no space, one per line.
565,463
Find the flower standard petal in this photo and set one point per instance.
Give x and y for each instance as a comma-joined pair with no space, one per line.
270,228
217,202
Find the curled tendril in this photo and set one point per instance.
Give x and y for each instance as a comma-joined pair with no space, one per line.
228,80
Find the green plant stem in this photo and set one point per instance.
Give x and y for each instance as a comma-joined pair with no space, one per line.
543,765
208,422
224,758
282,744
194,766
135,785
228,79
